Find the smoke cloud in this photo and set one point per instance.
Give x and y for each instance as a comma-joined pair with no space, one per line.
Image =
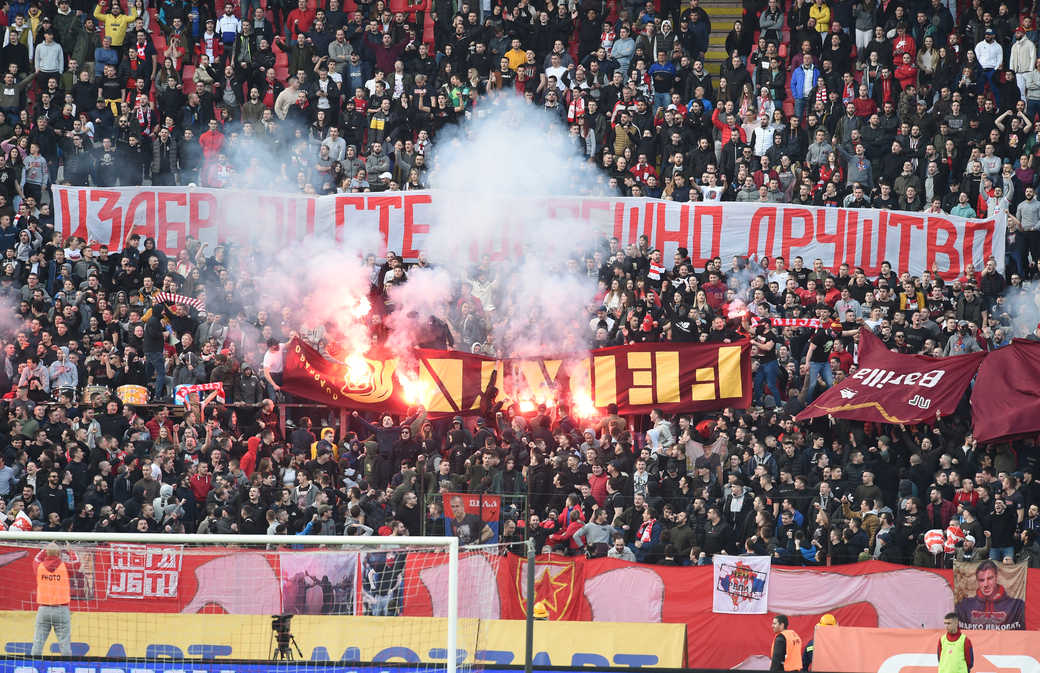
494,173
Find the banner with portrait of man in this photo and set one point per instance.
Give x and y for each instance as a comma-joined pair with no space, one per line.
990,596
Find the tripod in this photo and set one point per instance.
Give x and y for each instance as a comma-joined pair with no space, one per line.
285,641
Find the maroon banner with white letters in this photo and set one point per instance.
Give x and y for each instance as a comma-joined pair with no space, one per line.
405,222
891,387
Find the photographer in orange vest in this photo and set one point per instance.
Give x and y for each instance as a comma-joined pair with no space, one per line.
53,595
787,647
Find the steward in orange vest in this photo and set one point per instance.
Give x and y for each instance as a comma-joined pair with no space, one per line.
787,647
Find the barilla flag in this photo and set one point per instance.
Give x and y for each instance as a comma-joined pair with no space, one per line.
895,388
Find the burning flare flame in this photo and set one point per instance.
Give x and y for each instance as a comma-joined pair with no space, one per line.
359,374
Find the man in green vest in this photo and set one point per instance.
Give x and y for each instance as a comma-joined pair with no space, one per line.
955,653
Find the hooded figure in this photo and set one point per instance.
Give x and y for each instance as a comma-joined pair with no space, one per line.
326,440
62,372
166,505
404,449
373,467
249,389
378,162
459,434
351,163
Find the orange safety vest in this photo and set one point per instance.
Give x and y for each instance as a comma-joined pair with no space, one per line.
793,662
52,588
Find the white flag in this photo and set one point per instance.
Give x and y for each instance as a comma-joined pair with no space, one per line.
741,584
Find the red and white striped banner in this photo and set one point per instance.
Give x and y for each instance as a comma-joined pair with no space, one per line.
180,393
172,298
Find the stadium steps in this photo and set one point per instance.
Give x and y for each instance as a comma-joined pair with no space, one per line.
723,13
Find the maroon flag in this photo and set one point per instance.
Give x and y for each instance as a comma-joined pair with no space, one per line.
674,377
895,388
1005,404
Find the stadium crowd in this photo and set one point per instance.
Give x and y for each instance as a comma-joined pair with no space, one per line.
659,489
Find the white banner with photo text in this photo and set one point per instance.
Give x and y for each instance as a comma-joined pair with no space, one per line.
407,222
741,584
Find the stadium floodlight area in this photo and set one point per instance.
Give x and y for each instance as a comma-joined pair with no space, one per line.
190,602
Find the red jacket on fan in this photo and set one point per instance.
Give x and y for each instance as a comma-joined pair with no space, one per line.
643,171
211,142
210,44
248,461
726,131
567,535
201,486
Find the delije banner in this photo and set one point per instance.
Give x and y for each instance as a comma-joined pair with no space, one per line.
673,377
406,221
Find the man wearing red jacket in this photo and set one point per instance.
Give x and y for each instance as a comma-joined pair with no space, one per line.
201,483
386,51
161,419
729,128
211,142
940,511
300,20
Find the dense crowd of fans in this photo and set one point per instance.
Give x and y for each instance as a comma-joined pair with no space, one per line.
668,489
885,104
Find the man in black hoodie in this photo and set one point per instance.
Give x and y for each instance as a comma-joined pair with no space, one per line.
154,353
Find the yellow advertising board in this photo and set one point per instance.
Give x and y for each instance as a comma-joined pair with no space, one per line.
347,638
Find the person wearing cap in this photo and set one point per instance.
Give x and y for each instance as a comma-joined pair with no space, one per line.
601,319
889,551
990,55
807,655
328,526
962,342
970,552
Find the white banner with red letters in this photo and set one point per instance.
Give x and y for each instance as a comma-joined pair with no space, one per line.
404,222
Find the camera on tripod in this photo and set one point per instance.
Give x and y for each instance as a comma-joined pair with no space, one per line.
283,638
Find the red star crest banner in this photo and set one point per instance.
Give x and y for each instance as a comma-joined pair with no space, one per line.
558,584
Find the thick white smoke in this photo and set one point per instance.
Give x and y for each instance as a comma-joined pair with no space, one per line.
495,174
